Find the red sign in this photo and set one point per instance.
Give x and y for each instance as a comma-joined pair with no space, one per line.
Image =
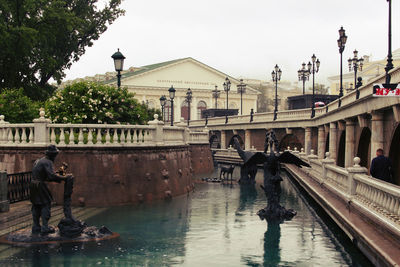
386,90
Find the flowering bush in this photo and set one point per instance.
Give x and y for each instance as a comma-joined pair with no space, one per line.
16,107
89,102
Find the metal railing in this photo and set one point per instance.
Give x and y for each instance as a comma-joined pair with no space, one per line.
18,186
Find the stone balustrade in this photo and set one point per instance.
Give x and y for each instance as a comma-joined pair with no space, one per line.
43,132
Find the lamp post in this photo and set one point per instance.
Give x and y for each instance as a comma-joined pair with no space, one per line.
188,99
227,87
341,44
119,65
163,100
304,75
172,96
313,68
389,64
276,76
241,88
356,64
215,94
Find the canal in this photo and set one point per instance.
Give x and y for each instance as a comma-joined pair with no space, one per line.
216,225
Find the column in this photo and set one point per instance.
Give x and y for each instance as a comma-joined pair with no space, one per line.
321,142
332,140
307,140
223,140
247,140
349,151
193,109
377,138
177,109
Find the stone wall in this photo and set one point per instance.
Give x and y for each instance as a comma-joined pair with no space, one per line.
106,176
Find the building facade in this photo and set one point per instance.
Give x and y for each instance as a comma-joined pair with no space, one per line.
150,82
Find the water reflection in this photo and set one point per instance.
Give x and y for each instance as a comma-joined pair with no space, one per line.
271,244
217,225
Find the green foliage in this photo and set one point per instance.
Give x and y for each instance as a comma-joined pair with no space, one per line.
40,39
89,102
16,107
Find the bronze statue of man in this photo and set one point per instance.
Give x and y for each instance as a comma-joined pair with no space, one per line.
40,196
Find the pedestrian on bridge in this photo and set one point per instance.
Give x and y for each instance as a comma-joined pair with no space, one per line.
381,167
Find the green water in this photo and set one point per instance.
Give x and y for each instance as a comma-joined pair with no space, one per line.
217,225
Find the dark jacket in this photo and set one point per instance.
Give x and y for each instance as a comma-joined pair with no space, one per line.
42,172
381,168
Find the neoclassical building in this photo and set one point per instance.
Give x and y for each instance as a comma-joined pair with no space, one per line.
150,82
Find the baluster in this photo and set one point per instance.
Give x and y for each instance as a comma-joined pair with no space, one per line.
108,136
391,204
80,136
397,207
123,135
99,136
90,137
134,136
371,194
10,136
17,136
30,135
23,137
62,136
52,136
71,136
378,198
129,136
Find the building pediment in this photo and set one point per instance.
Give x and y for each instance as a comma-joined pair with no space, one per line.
183,73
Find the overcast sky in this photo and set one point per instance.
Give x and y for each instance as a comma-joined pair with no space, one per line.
244,38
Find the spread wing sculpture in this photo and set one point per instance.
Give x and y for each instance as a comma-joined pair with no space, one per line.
272,179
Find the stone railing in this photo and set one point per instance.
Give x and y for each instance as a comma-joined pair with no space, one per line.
42,132
379,198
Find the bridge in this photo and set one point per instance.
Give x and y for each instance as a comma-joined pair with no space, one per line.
346,128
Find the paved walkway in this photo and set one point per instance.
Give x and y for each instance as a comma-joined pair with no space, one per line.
20,217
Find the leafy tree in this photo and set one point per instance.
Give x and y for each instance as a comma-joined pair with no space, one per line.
40,39
16,107
90,102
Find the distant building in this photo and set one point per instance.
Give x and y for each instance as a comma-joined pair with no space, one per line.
266,100
370,70
150,82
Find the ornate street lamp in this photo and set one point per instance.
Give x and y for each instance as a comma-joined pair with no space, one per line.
276,76
356,63
215,94
304,75
163,101
341,44
172,96
241,88
227,87
188,99
119,65
313,68
389,64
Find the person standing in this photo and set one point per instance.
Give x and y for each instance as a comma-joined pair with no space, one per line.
381,167
40,196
